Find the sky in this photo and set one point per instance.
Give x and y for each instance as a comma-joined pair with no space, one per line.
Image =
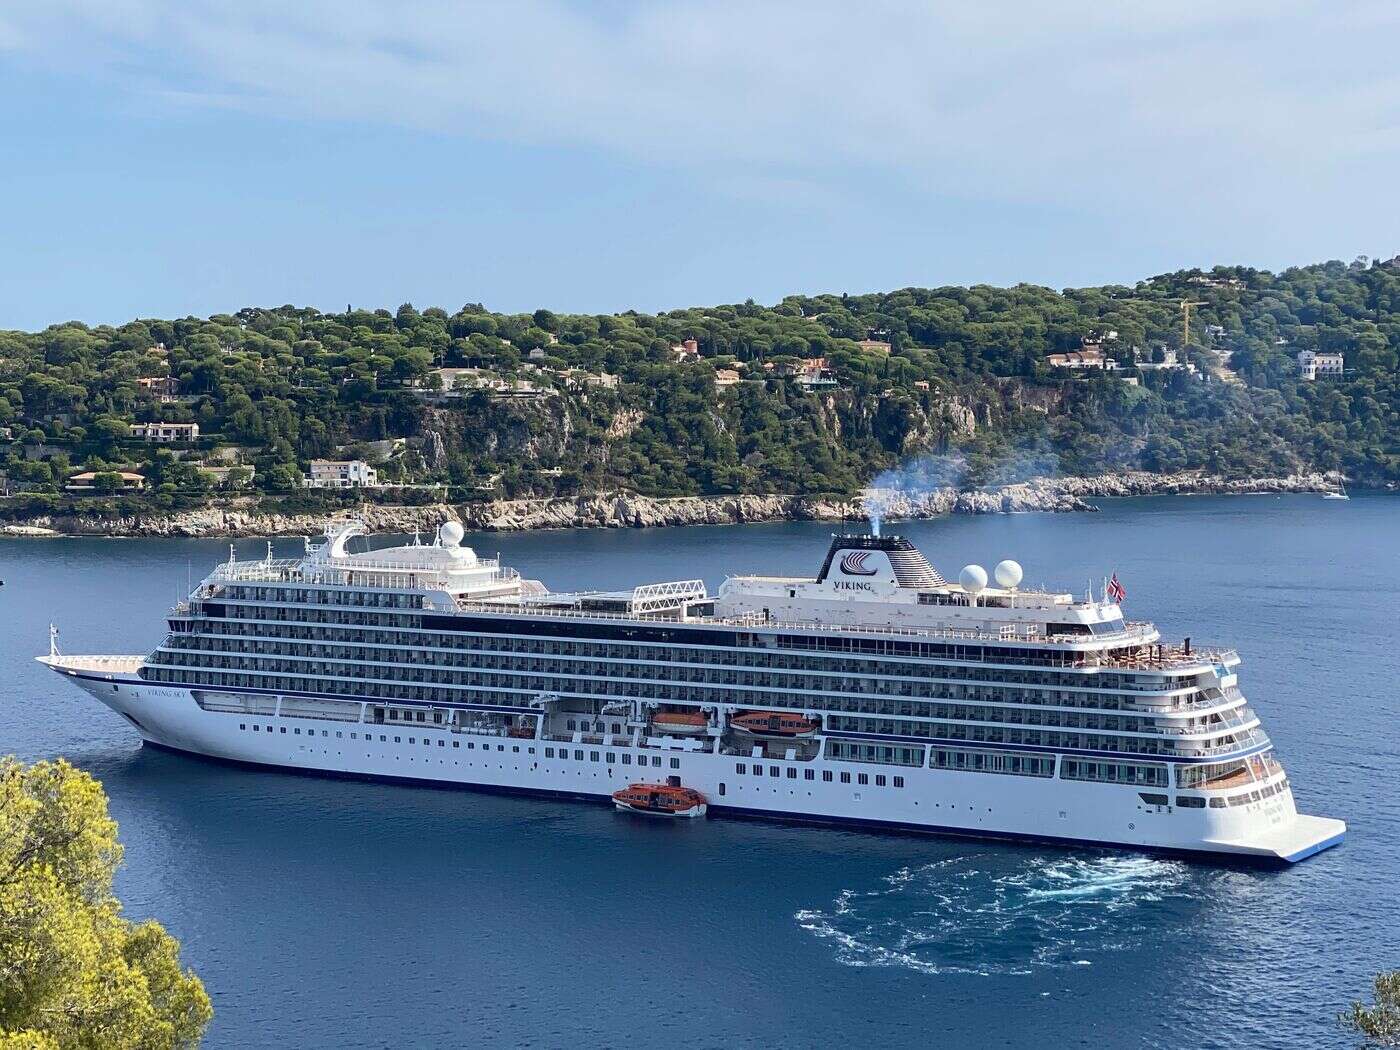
161,158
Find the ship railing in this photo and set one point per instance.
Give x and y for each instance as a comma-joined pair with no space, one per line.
1170,658
757,620
108,664
370,574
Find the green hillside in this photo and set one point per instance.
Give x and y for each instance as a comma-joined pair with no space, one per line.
546,403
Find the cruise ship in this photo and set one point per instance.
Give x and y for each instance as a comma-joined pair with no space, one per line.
876,693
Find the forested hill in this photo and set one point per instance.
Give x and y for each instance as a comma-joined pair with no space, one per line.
811,395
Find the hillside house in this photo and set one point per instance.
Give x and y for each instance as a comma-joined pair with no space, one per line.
340,474
85,481
166,388
1313,363
164,433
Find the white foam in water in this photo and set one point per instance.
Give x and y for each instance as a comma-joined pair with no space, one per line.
960,916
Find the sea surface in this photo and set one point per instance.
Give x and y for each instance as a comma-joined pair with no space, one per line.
330,913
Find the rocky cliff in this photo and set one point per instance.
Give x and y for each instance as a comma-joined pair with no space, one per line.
626,510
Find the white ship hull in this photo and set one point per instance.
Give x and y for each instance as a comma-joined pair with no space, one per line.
930,800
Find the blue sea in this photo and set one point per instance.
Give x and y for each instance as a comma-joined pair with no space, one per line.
329,913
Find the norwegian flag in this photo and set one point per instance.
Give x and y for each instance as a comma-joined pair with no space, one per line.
1115,590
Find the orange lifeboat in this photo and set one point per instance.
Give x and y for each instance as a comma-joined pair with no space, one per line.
660,800
680,723
775,723
525,731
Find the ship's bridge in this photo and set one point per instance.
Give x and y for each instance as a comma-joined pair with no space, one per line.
441,566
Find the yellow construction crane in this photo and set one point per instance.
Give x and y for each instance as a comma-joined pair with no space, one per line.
1186,305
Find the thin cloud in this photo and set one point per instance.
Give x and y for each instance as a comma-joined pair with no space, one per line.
1065,104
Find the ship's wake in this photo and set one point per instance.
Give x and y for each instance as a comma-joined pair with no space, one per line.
967,915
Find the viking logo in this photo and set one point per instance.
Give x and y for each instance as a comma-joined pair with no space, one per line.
853,564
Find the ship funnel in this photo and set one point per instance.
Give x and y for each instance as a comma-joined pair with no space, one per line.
876,558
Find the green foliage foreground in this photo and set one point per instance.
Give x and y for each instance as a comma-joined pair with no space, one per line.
73,972
1378,1025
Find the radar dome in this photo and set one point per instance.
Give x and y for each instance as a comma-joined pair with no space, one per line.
450,534
1007,573
973,579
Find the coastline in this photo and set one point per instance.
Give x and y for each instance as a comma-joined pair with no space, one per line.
627,510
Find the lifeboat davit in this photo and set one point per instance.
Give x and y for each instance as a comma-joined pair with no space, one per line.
775,723
660,800
680,723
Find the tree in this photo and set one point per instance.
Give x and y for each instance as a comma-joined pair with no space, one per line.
106,482
73,972
1378,1025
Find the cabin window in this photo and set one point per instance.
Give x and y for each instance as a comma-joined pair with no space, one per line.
242,725
899,782
879,780
549,752
578,756
862,778
826,776
721,787
592,756
1190,802
656,760
612,756
675,763
456,743
773,771
740,768
284,729
845,778
626,760
792,772
398,740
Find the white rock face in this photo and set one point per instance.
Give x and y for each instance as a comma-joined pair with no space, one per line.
626,510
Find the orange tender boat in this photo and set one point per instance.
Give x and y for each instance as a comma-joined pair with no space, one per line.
681,723
775,723
660,800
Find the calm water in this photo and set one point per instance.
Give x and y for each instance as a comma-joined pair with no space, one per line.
324,913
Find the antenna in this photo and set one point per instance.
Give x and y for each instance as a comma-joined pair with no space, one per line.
269,552
231,554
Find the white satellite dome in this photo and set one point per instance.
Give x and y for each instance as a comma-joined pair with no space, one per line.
1007,573
973,579
450,533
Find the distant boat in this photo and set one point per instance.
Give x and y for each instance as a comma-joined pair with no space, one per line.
1340,493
